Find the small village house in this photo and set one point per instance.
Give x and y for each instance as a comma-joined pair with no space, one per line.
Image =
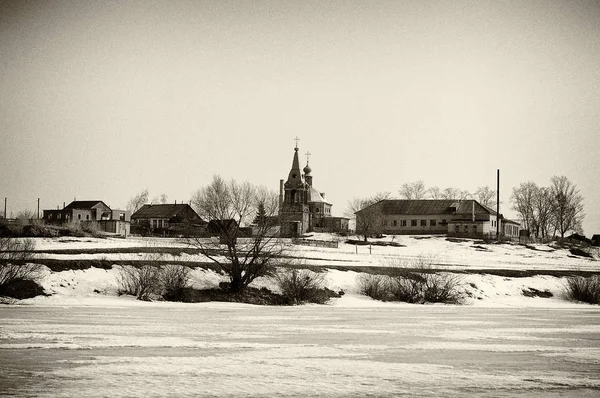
166,219
108,220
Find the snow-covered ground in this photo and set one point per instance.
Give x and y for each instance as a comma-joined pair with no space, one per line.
85,340
464,255
225,349
99,287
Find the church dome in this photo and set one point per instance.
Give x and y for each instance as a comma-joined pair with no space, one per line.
307,170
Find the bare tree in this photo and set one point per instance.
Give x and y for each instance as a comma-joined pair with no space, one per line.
162,199
137,201
523,199
379,196
542,210
486,196
413,190
233,205
435,193
15,255
455,194
567,205
368,215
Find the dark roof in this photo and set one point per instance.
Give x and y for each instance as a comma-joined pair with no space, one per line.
163,211
83,204
220,226
579,237
431,207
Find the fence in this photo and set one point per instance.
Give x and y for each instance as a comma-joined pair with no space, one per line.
315,243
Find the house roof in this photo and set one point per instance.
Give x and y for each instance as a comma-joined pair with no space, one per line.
432,207
84,204
162,211
219,226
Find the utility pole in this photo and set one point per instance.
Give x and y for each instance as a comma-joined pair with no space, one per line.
498,205
38,209
5,199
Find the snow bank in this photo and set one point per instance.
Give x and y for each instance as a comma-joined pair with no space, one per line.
98,287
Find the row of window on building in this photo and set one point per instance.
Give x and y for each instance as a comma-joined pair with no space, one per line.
159,224
59,216
413,223
465,229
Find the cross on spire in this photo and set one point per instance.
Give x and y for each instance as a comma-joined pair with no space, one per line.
296,139
307,156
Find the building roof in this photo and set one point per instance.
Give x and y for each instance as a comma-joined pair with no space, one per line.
315,196
432,207
162,211
221,226
84,204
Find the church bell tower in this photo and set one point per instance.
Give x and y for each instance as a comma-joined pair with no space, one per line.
294,214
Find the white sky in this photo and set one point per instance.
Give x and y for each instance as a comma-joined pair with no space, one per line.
101,100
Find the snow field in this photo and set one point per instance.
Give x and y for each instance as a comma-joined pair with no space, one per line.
216,349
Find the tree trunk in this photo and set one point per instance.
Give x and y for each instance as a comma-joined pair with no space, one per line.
236,283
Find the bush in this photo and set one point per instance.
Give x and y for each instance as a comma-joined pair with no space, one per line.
21,289
73,228
584,289
16,272
375,286
174,280
580,252
142,282
302,286
39,230
249,295
417,283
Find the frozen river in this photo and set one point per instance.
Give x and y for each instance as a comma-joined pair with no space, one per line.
238,350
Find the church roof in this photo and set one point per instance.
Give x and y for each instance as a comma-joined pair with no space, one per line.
295,175
315,196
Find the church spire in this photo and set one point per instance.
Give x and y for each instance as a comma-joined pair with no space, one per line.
295,175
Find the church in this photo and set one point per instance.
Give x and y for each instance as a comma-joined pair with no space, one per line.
302,207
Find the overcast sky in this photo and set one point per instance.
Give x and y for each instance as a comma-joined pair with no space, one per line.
99,100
